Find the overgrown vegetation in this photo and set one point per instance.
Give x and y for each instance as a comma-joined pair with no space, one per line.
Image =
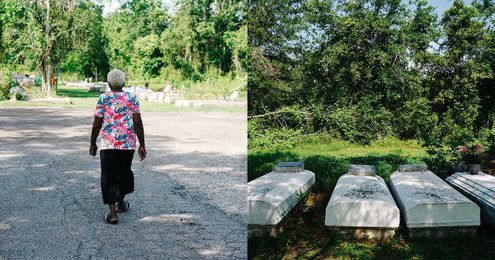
363,70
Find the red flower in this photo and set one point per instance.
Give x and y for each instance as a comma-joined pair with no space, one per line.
117,116
463,149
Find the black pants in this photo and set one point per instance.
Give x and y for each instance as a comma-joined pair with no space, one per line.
116,175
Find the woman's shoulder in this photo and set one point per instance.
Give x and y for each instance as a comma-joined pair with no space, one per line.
131,96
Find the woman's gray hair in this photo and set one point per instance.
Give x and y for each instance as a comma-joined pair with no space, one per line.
116,78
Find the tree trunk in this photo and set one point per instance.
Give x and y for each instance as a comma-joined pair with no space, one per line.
46,66
46,76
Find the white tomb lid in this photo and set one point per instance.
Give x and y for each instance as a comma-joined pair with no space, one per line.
273,195
426,200
362,201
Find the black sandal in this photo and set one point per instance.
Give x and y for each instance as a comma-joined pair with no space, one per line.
110,220
125,207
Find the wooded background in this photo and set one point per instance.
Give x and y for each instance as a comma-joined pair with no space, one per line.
362,70
195,41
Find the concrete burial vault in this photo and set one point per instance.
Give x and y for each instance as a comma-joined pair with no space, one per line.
273,195
481,189
430,207
362,205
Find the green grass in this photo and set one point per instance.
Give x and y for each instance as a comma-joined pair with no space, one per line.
81,98
341,148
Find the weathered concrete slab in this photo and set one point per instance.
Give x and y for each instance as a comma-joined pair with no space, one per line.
481,189
362,170
365,205
419,167
426,201
273,195
289,167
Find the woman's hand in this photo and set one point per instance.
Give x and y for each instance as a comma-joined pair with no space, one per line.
142,152
92,150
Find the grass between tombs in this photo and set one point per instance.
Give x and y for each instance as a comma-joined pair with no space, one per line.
305,235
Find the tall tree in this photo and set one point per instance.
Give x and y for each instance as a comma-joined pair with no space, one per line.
457,73
50,29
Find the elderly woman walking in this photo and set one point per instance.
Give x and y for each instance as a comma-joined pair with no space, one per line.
118,121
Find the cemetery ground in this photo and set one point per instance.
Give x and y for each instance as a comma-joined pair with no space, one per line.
305,235
80,97
189,199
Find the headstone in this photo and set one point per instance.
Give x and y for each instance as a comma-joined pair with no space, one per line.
160,97
182,103
273,195
430,207
153,97
363,206
362,170
234,96
289,167
167,88
420,167
479,188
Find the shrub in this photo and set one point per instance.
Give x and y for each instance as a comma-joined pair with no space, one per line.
442,158
271,138
5,87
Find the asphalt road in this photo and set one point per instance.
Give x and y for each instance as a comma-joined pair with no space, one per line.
189,199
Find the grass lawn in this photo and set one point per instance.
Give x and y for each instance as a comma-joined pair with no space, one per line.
305,235
81,98
329,159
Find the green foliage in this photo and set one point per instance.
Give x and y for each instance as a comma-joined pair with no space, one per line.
5,86
367,69
273,138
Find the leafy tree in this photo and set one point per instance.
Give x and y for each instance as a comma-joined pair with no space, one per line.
90,60
147,55
456,74
44,32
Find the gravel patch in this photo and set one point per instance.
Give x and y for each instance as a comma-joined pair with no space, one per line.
189,199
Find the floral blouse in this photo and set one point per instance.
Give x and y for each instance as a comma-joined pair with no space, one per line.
117,109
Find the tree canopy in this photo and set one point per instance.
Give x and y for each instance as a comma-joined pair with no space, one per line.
143,37
366,69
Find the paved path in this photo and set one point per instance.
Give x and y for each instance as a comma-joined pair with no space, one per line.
189,200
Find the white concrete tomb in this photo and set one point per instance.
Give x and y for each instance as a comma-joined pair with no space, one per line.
426,201
362,202
481,189
273,195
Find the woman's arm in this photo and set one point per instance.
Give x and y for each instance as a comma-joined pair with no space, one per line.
97,123
139,129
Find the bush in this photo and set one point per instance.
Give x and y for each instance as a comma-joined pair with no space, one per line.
442,158
5,87
271,138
